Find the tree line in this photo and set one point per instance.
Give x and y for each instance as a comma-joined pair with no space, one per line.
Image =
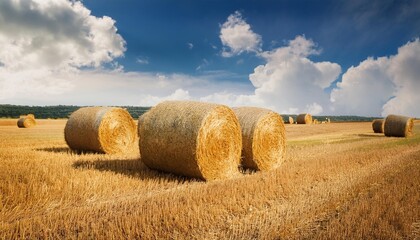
64,111
54,112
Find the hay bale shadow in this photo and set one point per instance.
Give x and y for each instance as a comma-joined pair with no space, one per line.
55,149
133,168
66,150
379,135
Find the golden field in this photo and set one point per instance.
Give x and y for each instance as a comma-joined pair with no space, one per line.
339,181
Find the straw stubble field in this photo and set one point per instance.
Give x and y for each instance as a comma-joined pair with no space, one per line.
339,181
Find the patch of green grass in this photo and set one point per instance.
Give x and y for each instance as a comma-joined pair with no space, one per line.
310,142
390,142
413,140
314,142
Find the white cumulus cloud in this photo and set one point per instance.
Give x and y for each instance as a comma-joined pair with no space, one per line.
179,94
382,86
289,82
44,41
238,36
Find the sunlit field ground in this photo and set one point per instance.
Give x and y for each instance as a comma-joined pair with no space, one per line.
339,181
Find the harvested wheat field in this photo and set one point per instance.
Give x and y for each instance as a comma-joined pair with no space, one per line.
338,181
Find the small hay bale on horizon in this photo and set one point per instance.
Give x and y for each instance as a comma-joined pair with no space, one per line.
304,118
263,138
378,125
26,121
291,121
108,130
398,126
193,139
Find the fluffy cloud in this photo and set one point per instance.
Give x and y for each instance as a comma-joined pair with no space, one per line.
289,82
364,89
179,94
405,73
45,41
382,86
238,37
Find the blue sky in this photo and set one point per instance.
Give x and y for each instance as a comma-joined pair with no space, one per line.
323,57
347,31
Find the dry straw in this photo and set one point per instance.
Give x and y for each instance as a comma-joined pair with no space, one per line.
304,118
263,138
378,125
398,126
26,121
101,129
291,121
193,139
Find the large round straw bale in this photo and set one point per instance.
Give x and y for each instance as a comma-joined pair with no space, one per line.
193,139
263,138
398,126
291,121
304,118
101,129
378,125
26,122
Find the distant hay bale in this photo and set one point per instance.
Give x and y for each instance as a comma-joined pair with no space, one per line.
193,139
291,121
26,122
101,129
316,121
378,125
304,118
398,126
263,138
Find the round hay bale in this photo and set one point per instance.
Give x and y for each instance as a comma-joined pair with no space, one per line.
263,138
26,122
101,129
291,121
398,126
30,116
193,139
304,118
378,125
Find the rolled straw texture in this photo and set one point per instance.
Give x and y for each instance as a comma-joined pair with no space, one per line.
398,126
304,118
378,125
263,138
26,122
101,129
193,139
291,121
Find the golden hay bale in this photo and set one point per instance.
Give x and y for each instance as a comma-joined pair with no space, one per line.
304,118
263,138
193,139
398,126
26,122
378,125
315,121
30,115
100,129
291,121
